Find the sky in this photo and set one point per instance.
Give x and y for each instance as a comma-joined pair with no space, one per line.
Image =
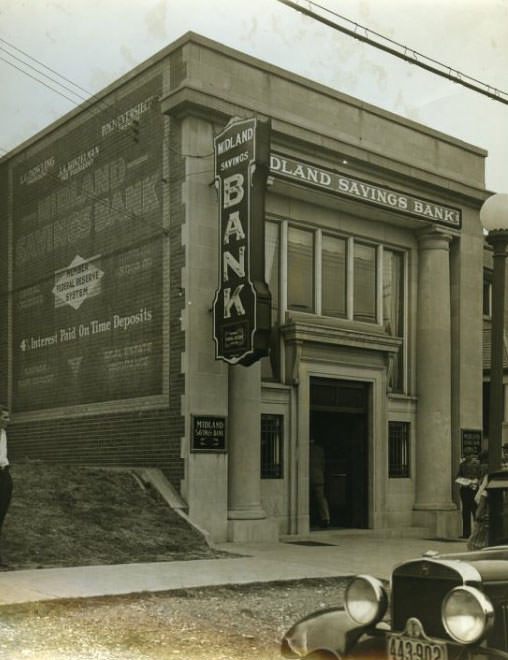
94,42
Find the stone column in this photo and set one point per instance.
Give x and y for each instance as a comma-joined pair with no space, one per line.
433,503
247,519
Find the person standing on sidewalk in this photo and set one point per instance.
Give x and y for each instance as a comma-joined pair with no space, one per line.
5,475
317,481
468,478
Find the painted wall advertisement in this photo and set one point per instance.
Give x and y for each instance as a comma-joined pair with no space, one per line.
87,254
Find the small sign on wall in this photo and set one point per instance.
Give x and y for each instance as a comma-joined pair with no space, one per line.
208,433
471,438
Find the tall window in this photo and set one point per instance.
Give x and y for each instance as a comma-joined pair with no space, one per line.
364,280
393,310
398,449
271,446
300,269
272,265
269,365
333,276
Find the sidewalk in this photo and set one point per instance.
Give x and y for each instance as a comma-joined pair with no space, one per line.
329,553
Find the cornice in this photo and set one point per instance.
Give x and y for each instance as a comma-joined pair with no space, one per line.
296,331
188,100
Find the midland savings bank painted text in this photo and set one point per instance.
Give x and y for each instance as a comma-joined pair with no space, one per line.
97,201
364,191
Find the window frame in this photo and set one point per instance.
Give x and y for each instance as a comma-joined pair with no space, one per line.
400,468
321,290
272,468
318,233
313,269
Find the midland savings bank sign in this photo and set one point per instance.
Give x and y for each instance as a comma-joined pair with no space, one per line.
241,307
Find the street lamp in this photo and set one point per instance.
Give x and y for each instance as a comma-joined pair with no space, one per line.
494,218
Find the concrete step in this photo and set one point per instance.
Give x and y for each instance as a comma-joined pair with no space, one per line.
328,535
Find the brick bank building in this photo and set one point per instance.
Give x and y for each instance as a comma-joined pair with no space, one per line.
373,256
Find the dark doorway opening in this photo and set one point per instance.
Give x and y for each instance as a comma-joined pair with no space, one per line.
339,423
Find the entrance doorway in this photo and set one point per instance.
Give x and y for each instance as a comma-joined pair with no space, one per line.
339,423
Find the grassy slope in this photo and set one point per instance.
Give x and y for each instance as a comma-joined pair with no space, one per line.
76,516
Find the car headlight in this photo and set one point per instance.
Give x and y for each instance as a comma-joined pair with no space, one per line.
366,600
467,614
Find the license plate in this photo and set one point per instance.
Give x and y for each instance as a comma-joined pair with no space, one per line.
413,644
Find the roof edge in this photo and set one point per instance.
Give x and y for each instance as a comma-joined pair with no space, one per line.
200,40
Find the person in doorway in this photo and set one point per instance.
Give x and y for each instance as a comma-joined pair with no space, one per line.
5,475
504,457
317,481
468,478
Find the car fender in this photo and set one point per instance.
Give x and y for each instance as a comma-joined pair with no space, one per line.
330,631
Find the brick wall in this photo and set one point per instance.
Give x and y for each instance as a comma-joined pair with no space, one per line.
130,239
136,438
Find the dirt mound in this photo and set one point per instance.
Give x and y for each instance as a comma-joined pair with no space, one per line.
63,515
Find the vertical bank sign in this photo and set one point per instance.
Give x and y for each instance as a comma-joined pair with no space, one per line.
241,308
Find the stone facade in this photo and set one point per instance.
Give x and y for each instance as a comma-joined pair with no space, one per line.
346,174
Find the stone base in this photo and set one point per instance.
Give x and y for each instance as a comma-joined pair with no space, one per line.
441,524
253,531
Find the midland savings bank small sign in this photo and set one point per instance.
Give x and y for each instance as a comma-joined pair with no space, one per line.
241,307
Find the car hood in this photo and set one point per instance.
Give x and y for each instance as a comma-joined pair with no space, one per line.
491,563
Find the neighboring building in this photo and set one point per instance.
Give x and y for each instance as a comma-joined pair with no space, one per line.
487,348
374,258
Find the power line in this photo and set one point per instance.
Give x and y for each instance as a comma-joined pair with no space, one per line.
98,109
30,66
102,105
105,107
399,50
34,59
37,79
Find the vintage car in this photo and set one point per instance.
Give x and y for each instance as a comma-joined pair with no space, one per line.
436,607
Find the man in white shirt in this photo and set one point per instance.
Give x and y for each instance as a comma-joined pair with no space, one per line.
5,475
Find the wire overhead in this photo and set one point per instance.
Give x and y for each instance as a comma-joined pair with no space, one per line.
396,49
100,103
